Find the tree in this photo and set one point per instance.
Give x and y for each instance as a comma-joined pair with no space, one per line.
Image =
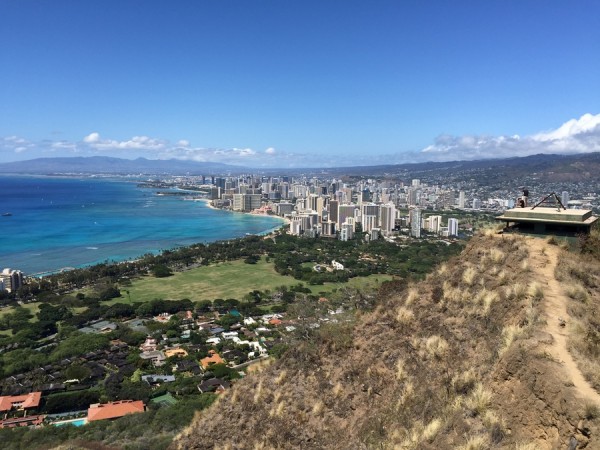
77,372
161,271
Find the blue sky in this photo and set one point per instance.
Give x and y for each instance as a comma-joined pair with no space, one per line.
299,83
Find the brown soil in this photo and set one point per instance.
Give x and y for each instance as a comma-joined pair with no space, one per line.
544,258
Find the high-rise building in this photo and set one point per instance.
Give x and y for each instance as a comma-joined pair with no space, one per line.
346,231
333,210
388,217
452,227
434,223
476,203
461,199
369,222
246,202
328,228
11,280
283,208
312,202
345,211
412,196
415,222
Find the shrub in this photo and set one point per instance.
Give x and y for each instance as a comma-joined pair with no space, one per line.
479,400
404,315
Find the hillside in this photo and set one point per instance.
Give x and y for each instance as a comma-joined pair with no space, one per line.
474,357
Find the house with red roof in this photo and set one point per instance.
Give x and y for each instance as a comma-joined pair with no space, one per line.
26,401
114,410
212,358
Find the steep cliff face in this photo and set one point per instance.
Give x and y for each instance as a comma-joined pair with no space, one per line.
469,358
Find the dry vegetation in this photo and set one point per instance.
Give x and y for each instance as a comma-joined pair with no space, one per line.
580,277
451,362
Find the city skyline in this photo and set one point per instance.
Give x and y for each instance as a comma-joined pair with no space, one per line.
298,85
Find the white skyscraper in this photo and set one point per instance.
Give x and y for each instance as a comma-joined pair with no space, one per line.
461,199
415,222
452,227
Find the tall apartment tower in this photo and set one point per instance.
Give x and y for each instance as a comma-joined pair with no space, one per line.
434,223
333,210
412,196
344,212
452,227
11,280
388,217
461,199
415,222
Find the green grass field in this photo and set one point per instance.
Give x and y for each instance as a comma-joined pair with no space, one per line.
224,280
33,308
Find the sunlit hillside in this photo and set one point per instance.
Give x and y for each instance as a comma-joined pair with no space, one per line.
497,348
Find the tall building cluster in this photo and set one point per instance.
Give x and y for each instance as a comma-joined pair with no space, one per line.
338,208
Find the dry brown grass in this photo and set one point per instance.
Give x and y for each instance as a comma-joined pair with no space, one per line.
468,276
411,296
404,315
581,280
478,400
510,334
527,446
436,346
432,429
427,385
476,443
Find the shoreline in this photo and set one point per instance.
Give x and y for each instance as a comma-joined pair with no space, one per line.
98,237
208,204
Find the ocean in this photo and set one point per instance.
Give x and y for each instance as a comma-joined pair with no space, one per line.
58,223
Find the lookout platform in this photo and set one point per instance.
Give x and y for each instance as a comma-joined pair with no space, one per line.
544,219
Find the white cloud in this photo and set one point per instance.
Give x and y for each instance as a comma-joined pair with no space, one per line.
586,123
575,136
91,138
580,135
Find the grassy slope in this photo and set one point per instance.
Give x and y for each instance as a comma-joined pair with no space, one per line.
455,362
225,280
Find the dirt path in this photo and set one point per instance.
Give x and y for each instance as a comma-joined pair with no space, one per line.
544,258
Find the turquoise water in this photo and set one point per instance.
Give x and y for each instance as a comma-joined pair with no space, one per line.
67,222
76,423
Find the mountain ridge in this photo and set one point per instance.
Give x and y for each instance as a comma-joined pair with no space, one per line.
562,167
462,360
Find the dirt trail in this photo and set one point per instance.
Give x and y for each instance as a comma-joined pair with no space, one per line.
544,258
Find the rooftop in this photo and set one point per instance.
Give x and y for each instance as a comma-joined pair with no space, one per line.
582,217
114,410
31,400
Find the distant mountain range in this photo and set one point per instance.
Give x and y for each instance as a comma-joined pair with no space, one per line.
565,168
117,166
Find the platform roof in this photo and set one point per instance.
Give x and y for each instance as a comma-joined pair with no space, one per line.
569,217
